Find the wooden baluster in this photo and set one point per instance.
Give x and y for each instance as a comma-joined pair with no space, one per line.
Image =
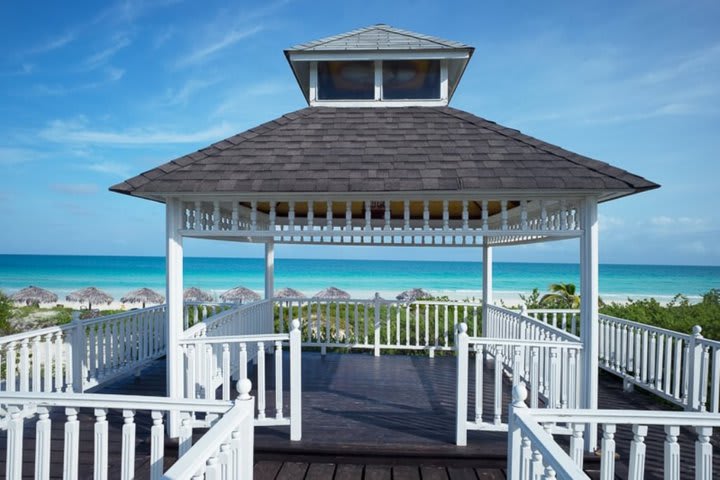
59,364
198,225
216,216
607,461
498,388
366,308
554,379
355,331
397,325
526,458
417,324
523,215
191,386
310,215
678,371
157,445
329,216
127,470
659,362
504,214
71,446
273,216
261,379
577,447
445,215
436,342
100,429
185,438
388,219
226,371
225,460
348,216
208,372
445,320
637,453
714,382
538,468
479,382
368,215
534,376
278,380
36,365
543,216
703,454
11,368
14,454
653,358
48,370
24,366
672,453
42,445
291,215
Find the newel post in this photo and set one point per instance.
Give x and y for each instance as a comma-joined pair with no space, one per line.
377,324
514,454
461,406
295,381
244,436
487,286
695,358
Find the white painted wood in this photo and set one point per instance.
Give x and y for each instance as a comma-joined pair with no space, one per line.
261,380
487,281
378,95
577,444
589,330
42,444
127,465
269,269
295,382
313,82
13,456
100,441
157,445
462,386
71,446
316,56
174,295
278,381
444,83
672,452
636,469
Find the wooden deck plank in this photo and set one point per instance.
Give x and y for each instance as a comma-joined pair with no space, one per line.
378,472
320,471
347,471
489,474
433,473
292,471
461,473
266,470
406,472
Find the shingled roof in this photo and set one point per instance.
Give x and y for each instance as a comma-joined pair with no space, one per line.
411,149
379,37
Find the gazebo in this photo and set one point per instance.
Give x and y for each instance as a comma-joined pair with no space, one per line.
380,158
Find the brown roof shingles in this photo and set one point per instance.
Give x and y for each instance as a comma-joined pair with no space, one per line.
380,149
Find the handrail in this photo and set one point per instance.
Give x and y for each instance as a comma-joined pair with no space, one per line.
274,337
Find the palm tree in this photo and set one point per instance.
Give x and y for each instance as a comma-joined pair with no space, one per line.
562,295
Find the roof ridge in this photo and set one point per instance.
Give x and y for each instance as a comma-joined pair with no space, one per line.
523,138
291,116
408,33
332,38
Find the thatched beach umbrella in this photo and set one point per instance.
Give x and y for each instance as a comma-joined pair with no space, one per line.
143,295
90,295
332,293
194,294
289,293
409,296
34,295
241,295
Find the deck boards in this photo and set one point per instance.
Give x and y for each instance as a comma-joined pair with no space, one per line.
365,418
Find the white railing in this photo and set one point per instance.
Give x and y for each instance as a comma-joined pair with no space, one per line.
565,319
680,368
505,323
195,312
378,324
238,319
533,452
211,362
83,354
552,369
227,445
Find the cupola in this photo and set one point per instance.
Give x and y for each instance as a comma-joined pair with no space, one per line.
379,66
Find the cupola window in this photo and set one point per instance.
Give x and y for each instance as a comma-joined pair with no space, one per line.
346,80
411,79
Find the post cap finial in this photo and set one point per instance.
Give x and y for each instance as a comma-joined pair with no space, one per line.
244,385
295,324
462,327
519,394
697,330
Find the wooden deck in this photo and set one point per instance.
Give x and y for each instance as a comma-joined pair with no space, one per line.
365,417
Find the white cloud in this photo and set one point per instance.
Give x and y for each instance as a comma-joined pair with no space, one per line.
75,188
52,44
181,96
200,54
103,56
15,156
77,131
112,168
112,75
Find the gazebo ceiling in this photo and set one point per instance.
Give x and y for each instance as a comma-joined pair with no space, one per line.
413,150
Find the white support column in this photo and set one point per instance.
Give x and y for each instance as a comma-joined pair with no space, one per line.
487,283
589,330
174,283
269,269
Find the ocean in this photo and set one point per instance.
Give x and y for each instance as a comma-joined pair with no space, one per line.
361,278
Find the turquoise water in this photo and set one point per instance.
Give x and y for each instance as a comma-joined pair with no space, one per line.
118,275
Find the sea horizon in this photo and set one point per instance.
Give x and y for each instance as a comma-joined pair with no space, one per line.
118,274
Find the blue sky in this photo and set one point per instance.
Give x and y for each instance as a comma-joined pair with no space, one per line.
94,92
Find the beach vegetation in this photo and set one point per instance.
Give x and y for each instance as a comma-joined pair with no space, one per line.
6,308
562,295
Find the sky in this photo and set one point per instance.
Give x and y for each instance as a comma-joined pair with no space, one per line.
92,93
